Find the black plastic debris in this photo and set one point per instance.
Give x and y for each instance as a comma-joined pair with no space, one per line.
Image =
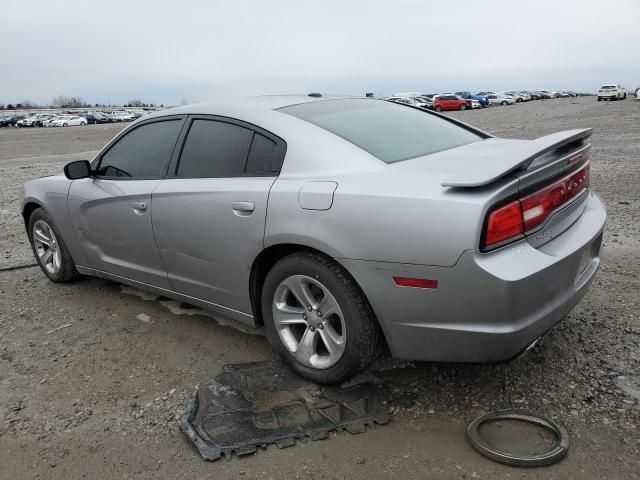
256,404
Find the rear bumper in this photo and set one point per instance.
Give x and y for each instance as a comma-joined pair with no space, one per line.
489,306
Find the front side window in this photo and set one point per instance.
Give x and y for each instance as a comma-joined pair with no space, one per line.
388,131
215,149
143,152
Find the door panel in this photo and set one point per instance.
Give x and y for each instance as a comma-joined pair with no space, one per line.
209,231
112,221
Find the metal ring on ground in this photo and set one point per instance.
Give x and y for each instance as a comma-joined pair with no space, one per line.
548,458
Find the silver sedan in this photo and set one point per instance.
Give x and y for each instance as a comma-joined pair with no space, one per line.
342,225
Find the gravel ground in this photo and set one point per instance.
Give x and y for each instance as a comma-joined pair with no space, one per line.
99,398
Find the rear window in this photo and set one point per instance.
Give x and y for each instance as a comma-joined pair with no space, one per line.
608,87
391,132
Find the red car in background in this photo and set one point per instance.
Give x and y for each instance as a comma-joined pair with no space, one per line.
450,102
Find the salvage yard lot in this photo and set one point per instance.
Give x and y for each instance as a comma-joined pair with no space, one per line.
100,397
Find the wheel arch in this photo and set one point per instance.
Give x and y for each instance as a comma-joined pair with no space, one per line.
269,257
28,208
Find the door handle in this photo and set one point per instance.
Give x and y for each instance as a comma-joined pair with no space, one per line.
139,206
243,209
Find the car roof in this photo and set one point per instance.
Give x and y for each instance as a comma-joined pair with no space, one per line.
261,102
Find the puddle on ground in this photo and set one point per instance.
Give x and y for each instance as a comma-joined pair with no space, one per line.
517,437
181,308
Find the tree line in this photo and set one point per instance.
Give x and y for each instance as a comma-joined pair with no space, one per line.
64,101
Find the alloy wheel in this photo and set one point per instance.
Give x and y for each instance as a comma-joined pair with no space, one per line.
46,247
309,321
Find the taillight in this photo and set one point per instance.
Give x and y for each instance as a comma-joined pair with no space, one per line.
537,207
503,223
522,215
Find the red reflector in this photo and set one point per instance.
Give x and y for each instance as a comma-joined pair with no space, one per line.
415,282
504,222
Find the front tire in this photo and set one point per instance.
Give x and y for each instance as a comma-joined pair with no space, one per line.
50,251
463,106
438,108
317,319
504,103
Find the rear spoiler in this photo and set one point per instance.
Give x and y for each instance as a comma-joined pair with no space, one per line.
482,173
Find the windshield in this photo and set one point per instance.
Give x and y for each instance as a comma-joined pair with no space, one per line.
388,131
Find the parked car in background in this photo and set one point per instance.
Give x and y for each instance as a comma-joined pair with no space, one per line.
534,95
545,94
562,95
415,101
39,122
27,121
47,122
637,93
11,120
478,246
499,99
612,91
122,117
450,102
517,96
482,99
526,95
68,121
425,102
96,117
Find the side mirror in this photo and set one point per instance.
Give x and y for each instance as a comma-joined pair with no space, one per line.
77,170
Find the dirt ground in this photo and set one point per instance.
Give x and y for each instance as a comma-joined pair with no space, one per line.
100,397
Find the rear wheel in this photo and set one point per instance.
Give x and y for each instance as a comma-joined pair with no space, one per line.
49,249
599,99
504,102
463,106
317,319
65,124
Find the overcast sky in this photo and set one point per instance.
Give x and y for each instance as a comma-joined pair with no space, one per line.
166,51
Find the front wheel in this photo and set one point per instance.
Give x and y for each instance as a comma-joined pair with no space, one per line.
463,106
65,124
49,249
504,103
438,108
317,319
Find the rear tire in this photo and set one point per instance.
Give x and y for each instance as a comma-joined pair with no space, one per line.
325,347
463,106
504,103
49,248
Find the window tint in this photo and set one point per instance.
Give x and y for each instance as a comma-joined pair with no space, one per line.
263,158
386,130
143,152
214,149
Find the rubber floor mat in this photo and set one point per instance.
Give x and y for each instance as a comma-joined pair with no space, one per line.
256,404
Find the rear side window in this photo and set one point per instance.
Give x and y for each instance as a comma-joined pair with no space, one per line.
389,131
143,152
263,157
215,149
